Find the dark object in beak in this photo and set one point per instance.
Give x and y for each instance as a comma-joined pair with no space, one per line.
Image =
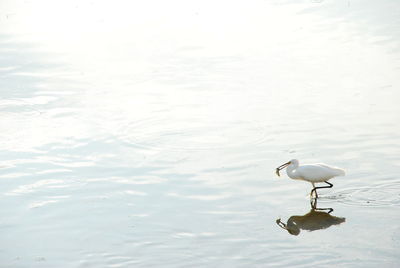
281,167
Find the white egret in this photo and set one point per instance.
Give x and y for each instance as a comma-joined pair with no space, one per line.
312,173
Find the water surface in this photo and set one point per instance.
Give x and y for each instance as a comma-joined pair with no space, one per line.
147,134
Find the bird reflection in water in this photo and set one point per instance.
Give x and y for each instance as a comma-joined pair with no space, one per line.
316,219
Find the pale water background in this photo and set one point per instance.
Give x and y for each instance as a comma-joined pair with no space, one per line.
146,133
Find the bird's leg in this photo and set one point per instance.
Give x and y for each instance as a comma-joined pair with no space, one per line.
314,207
330,185
314,190
313,203
321,187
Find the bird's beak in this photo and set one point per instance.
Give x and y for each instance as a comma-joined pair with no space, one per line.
281,167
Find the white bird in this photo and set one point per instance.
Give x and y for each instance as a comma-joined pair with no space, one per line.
312,173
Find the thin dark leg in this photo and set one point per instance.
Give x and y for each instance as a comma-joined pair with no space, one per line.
313,203
314,206
320,187
315,191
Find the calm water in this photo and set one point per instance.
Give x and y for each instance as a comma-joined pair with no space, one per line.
147,134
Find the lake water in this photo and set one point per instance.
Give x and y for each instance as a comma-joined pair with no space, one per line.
147,133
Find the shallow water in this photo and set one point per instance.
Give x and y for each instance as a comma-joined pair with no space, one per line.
146,135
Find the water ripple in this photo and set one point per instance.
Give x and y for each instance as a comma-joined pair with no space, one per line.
158,133
378,196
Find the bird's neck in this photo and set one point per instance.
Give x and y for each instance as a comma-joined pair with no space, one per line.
290,171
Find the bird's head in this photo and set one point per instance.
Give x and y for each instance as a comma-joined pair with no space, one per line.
294,162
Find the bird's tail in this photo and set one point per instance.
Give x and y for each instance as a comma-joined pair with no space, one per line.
340,172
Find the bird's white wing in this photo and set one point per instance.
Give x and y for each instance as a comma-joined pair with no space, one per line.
335,170
318,172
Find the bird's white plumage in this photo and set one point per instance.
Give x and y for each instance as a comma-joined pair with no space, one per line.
313,172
